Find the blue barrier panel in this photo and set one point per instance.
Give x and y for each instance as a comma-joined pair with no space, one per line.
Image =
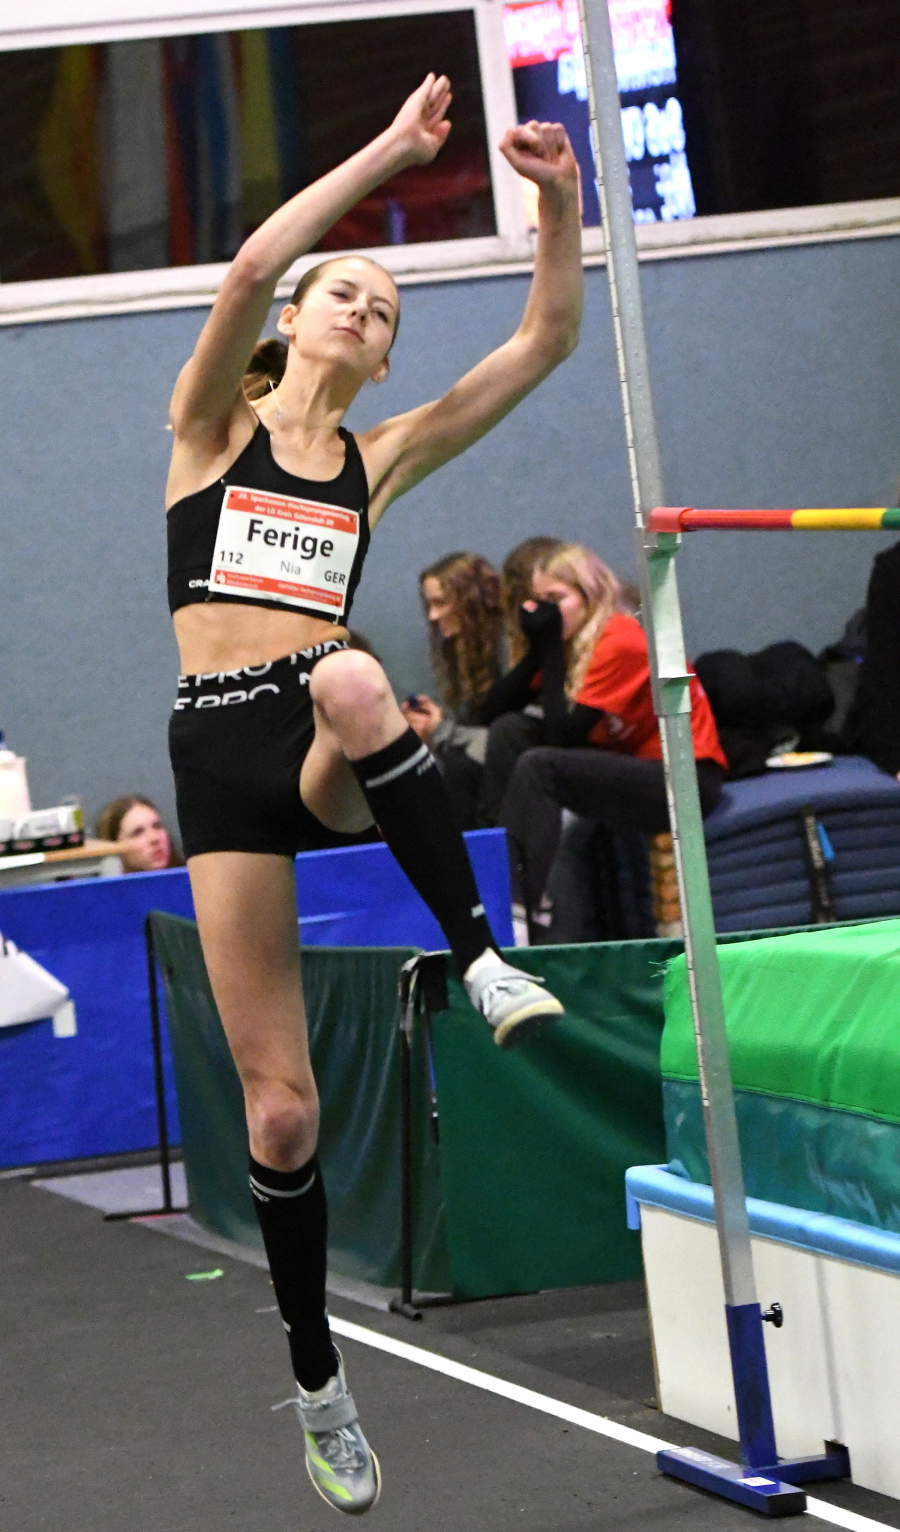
72,1097
358,897
93,1094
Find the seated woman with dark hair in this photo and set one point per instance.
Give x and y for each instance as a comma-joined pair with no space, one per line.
512,728
143,840
461,597
515,587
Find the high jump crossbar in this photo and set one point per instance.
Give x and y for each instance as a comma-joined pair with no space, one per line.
684,518
763,1482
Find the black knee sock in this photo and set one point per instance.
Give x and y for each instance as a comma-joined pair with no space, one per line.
290,1206
404,789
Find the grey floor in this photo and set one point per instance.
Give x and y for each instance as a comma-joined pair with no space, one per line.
134,1399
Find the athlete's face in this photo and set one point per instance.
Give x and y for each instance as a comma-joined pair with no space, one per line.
143,840
348,316
439,609
572,605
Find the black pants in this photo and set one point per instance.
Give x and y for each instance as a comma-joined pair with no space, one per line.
462,778
508,736
619,791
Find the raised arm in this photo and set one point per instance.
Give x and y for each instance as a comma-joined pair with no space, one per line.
209,384
402,451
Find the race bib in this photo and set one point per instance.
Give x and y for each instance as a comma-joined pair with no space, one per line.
299,551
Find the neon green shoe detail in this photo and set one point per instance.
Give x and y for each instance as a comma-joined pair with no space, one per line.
341,1464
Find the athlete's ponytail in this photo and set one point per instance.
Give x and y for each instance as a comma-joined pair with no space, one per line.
265,369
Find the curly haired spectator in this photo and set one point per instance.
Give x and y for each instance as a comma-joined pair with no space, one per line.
461,599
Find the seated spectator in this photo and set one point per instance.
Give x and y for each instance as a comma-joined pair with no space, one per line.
587,660
461,598
518,568
880,682
512,728
143,840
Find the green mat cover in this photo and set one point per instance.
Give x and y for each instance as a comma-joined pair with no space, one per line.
813,1023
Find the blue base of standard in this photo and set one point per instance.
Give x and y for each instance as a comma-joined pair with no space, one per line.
769,1491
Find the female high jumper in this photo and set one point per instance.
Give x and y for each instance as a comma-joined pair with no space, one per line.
281,733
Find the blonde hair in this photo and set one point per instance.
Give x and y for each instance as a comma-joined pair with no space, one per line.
602,592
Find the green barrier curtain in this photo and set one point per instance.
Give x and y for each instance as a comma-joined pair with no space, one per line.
352,1009
535,1141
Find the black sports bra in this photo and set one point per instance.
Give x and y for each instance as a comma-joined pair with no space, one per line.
262,536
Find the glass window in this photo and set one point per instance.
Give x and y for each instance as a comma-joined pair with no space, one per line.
543,42
790,103
727,106
125,156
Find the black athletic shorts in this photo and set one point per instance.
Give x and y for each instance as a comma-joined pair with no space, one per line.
237,741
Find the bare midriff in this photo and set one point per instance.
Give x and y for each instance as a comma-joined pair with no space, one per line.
217,636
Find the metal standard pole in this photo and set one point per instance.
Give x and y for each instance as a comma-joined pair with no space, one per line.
668,668
158,1075
408,982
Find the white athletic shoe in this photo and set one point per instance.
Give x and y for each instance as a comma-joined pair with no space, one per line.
513,1003
339,1460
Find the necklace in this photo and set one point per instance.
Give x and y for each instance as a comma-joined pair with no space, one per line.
279,412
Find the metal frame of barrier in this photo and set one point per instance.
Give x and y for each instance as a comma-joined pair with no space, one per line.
165,1157
423,990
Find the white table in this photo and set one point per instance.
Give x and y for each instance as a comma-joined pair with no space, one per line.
95,859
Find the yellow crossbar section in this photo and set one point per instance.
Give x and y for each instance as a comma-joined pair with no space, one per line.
863,518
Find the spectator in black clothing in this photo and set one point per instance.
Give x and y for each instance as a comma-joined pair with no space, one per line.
880,685
518,568
515,728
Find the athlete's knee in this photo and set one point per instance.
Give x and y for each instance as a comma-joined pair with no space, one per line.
350,682
283,1120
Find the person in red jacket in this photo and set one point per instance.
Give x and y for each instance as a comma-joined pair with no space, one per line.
588,663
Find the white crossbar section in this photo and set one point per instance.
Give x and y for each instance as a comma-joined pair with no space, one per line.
835,1515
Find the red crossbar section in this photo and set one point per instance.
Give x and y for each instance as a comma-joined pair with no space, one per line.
669,518
666,518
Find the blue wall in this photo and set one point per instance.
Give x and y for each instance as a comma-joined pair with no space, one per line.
777,378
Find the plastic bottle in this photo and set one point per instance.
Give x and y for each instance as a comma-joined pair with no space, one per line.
14,796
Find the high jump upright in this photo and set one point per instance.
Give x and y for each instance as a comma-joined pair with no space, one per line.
762,1483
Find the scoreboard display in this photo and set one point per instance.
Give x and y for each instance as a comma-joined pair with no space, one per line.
544,47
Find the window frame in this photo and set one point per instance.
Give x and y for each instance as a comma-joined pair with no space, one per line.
58,23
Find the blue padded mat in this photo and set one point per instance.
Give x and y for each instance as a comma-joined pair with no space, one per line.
756,849
850,782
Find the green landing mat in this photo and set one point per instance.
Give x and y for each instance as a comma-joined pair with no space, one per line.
813,1016
812,1021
